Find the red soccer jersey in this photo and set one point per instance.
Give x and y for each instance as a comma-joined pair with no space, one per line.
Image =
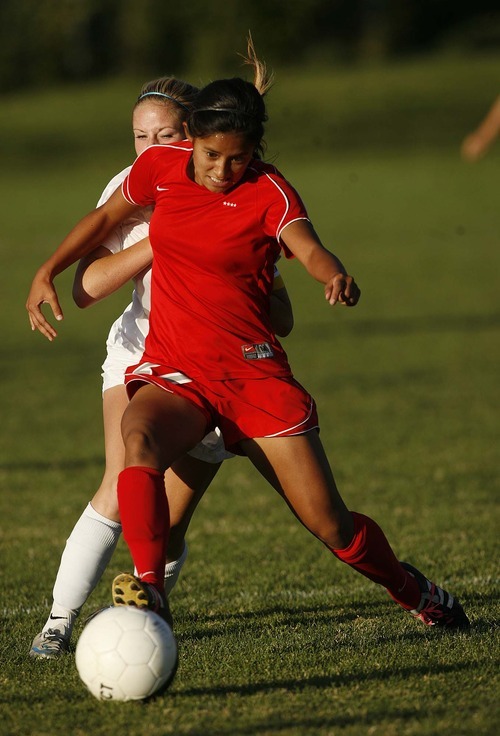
213,261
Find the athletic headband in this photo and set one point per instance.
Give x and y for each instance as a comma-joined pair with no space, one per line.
162,94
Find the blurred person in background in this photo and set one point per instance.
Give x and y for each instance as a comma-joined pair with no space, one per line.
477,143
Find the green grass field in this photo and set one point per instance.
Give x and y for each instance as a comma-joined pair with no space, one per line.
276,637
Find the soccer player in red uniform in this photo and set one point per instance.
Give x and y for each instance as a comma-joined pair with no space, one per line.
221,218
158,116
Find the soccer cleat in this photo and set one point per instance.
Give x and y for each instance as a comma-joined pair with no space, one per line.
437,607
49,644
128,590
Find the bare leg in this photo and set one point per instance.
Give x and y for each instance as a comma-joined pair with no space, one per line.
158,428
299,467
302,470
185,482
92,540
114,403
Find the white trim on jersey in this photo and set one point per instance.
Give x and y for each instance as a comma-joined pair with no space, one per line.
280,229
291,221
126,193
290,430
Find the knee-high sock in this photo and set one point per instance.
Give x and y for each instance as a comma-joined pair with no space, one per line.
371,554
145,520
86,555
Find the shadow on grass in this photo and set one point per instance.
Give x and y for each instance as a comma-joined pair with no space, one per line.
213,626
210,626
276,724
343,679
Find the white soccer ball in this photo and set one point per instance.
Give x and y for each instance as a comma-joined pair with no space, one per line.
126,653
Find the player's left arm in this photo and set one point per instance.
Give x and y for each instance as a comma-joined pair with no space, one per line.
81,240
301,239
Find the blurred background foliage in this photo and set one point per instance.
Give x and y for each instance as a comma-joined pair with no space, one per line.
352,76
45,42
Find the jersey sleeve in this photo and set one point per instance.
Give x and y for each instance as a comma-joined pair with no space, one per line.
138,186
283,206
114,240
112,186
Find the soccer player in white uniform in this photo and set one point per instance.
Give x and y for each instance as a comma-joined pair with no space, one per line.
126,254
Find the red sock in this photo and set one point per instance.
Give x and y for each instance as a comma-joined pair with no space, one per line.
145,520
371,554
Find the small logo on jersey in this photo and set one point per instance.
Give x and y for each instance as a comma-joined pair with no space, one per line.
258,351
162,189
229,204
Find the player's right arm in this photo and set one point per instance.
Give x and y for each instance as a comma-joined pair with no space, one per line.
90,232
102,272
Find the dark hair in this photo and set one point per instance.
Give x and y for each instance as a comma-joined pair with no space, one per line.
170,92
228,105
234,105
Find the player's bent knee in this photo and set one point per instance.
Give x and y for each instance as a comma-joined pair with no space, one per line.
141,449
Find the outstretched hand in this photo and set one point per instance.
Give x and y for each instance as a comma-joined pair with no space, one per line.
343,289
42,292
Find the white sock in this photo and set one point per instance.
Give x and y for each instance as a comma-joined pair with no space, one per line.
88,550
172,570
60,619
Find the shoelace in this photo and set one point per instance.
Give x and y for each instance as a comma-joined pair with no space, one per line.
52,636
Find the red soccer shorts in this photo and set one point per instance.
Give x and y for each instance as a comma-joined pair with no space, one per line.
275,406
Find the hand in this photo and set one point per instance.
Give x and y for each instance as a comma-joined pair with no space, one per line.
42,292
473,147
342,288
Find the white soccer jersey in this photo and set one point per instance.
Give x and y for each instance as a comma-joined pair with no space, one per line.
130,329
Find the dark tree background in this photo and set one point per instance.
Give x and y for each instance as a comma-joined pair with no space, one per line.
48,41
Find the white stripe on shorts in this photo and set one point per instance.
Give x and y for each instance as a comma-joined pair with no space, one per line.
296,429
145,369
